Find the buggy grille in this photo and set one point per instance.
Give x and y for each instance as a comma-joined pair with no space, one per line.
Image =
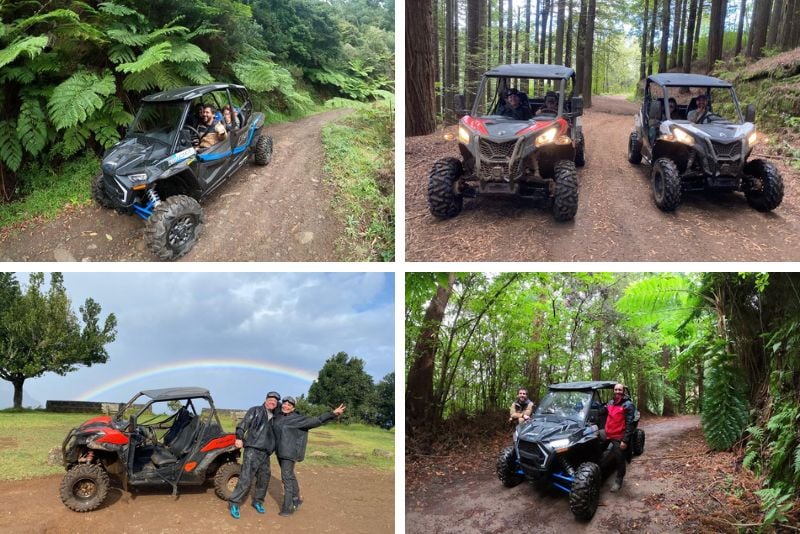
496,157
728,150
532,454
496,151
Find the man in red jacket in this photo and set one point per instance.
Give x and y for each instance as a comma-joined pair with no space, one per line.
619,430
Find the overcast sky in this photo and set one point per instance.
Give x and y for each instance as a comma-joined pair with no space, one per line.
237,334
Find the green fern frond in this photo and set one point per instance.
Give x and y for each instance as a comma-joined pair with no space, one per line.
116,9
724,414
105,134
259,75
202,30
168,30
749,459
187,52
194,72
32,126
149,58
73,140
31,46
61,15
76,98
10,147
140,81
115,111
796,464
21,74
121,53
126,37
167,77
756,432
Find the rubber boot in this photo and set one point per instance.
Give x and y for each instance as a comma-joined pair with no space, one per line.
259,507
296,502
288,506
234,511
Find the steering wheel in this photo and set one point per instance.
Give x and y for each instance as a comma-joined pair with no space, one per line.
197,135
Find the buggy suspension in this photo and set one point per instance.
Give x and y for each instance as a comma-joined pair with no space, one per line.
153,200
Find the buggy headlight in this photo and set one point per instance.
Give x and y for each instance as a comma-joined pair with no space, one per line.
559,443
137,177
683,137
463,135
752,139
546,137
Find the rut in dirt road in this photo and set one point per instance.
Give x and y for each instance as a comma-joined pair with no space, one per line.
617,219
476,502
281,212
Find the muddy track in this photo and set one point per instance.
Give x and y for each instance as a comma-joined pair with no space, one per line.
281,212
476,502
617,219
356,500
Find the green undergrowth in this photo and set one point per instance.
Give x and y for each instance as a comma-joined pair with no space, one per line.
27,436
44,192
359,162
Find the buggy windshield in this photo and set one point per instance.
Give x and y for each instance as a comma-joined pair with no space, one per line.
158,121
505,98
722,106
570,404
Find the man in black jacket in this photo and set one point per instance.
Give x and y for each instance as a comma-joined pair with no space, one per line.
291,434
255,433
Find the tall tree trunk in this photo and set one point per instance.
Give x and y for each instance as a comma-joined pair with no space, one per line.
772,30
589,54
699,407
597,354
761,11
568,51
642,400
740,29
526,49
682,391
550,38
559,59
666,355
510,11
17,381
534,361
419,384
697,23
500,33
687,58
580,47
652,49
437,60
420,98
449,60
662,58
676,29
474,58
682,36
716,31
543,30
516,36
643,60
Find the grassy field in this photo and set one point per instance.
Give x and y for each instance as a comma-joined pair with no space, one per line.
27,437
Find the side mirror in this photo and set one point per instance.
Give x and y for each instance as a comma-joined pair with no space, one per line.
654,111
577,106
750,113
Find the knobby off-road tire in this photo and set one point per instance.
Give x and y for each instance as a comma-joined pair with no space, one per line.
565,199
443,201
99,193
634,149
585,491
638,442
262,153
580,151
174,227
507,468
768,191
666,184
226,479
84,487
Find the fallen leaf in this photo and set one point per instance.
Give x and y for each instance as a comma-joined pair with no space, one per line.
108,236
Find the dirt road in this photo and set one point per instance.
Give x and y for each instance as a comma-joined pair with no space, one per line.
280,212
476,502
352,500
617,219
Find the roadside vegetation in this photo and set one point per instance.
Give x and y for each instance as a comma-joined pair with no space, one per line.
74,73
359,163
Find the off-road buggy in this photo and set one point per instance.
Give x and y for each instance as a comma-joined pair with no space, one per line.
145,445
563,445
709,155
158,172
532,158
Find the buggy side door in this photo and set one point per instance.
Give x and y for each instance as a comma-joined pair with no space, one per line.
214,162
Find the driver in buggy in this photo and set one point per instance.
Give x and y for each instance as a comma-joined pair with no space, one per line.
211,130
699,114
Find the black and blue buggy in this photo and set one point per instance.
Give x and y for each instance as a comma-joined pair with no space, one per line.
159,172
564,446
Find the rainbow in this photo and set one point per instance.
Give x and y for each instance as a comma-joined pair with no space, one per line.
194,365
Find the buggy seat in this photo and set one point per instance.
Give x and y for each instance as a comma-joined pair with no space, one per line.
179,445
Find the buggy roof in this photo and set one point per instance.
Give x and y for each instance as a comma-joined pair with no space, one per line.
189,93
166,394
583,386
531,70
672,79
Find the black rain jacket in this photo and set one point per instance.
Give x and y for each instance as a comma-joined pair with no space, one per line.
291,433
257,429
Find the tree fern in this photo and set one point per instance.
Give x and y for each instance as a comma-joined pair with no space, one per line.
30,46
724,413
123,35
32,126
183,51
10,147
116,9
60,15
193,72
797,461
76,98
260,75
150,57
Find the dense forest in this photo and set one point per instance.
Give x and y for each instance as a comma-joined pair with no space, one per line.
724,345
611,44
74,71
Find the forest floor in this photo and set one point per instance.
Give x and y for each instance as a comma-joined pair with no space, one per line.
281,212
617,219
677,485
362,502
